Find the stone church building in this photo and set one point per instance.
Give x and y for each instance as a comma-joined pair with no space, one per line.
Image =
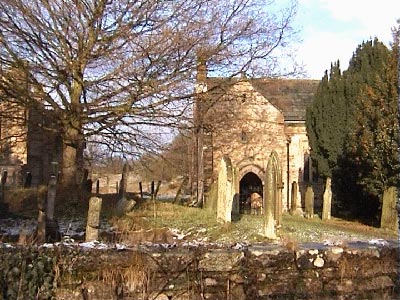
250,121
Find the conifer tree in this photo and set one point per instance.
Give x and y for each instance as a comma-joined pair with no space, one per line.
353,126
327,121
373,139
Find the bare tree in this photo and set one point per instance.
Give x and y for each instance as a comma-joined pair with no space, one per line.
120,73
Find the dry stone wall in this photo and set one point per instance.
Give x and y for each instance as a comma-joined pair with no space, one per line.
358,271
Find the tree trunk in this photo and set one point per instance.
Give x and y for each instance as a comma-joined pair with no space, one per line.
72,165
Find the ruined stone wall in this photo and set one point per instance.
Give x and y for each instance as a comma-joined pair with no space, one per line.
358,271
28,143
13,135
13,130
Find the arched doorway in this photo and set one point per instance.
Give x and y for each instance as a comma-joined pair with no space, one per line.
250,183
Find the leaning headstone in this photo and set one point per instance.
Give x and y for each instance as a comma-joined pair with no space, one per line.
293,198
225,196
124,206
327,200
93,219
309,202
157,189
178,195
389,217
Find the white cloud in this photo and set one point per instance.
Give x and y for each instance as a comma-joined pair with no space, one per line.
332,30
376,18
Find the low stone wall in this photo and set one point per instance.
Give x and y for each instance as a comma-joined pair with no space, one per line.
357,271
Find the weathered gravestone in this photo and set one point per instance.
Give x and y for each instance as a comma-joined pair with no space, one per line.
52,229
93,219
4,176
41,222
123,182
3,206
327,200
271,197
235,191
389,217
293,198
309,202
178,195
124,205
28,180
97,186
225,190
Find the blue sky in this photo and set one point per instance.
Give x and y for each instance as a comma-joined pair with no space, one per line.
332,29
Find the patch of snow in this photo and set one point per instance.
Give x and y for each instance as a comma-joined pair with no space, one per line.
378,242
120,246
333,243
6,245
94,245
177,234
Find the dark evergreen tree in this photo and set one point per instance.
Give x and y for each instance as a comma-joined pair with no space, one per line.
370,162
353,127
327,121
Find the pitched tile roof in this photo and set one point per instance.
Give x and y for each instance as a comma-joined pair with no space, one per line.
291,96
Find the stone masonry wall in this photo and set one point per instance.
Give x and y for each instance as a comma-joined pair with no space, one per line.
358,271
247,128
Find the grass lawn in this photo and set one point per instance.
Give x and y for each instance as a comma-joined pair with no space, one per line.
201,225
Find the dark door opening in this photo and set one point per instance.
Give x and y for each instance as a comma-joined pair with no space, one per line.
250,183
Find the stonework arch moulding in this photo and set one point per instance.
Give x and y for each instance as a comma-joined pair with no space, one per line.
256,169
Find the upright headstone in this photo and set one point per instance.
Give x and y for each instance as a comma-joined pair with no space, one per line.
270,196
3,185
4,207
28,180
225,188
389,217
293,198
309,202
141,190
51,197
235,193
152,189
278,204
41,223
97,186
124,181
93,219
327,200
52,230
